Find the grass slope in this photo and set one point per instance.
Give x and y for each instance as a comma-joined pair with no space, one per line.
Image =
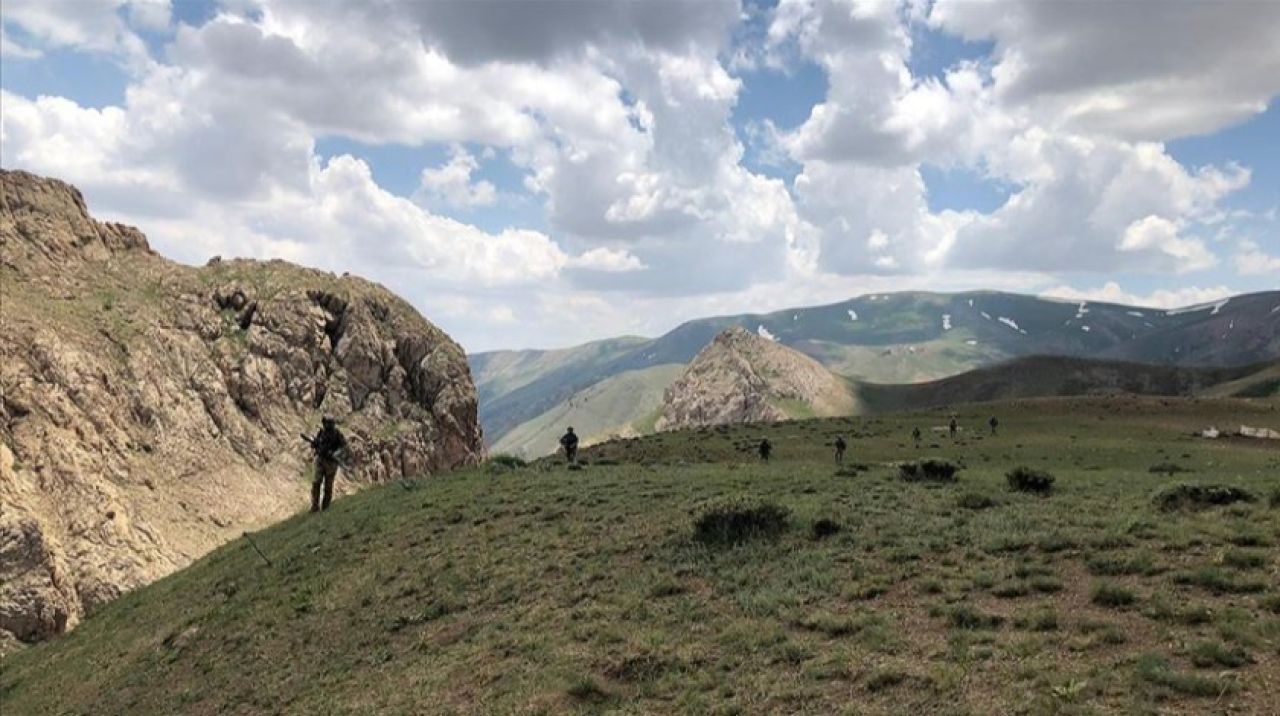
607,409
543,590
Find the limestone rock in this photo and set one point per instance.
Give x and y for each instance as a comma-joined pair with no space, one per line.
150,411
742,377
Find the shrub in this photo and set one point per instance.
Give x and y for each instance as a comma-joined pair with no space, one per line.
1025,479
928,471
509,461
1189,496
975,501
1274,500
1106,594
734,520
1168,468
825,528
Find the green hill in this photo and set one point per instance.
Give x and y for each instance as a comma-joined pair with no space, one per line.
905,337
1052,376
544,590
606,409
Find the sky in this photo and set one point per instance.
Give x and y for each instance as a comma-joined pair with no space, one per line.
536,174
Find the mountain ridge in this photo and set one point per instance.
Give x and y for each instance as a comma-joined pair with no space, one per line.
914,336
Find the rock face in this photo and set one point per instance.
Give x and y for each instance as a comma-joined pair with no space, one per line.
151,411
741,377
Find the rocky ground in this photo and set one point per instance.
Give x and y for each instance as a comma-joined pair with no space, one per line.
151,411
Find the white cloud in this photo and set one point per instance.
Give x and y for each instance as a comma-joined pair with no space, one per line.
622,119
1110,292
1251,260
451,182
1155,233
1130,70
607,260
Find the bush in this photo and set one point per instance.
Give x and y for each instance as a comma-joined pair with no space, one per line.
1188,496
736,520
975,501
825,528
928,471
512,461
1274,500
1025,479
1167,468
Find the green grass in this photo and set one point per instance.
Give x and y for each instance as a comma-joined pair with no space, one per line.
542,590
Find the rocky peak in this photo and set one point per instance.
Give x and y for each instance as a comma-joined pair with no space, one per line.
743,377
47,219
150,411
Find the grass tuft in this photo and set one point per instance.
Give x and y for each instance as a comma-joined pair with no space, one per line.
1109,594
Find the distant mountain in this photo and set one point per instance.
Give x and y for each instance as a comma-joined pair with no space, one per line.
1056,376
743,378
907,337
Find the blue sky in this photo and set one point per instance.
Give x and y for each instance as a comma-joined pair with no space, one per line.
635,174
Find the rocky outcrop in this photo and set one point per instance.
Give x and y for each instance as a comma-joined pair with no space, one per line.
741,377
150,411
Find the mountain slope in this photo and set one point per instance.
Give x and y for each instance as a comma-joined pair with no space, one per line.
554,591
1052,376
150,411
743,378
918,336
601,411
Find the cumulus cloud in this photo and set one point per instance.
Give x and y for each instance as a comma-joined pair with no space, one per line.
621,118
1132,70
451,182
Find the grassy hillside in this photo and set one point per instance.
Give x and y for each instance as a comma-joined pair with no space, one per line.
1051,376
607,409
543,590
903,337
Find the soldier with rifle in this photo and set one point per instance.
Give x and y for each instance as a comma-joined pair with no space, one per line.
330,448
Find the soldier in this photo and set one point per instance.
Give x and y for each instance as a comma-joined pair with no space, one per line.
994,423
569,442
953,426
840,448
915,435
765,449
330,448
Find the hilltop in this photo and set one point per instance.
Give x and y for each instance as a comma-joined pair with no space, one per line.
741,377
886,338
544,590
150,411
